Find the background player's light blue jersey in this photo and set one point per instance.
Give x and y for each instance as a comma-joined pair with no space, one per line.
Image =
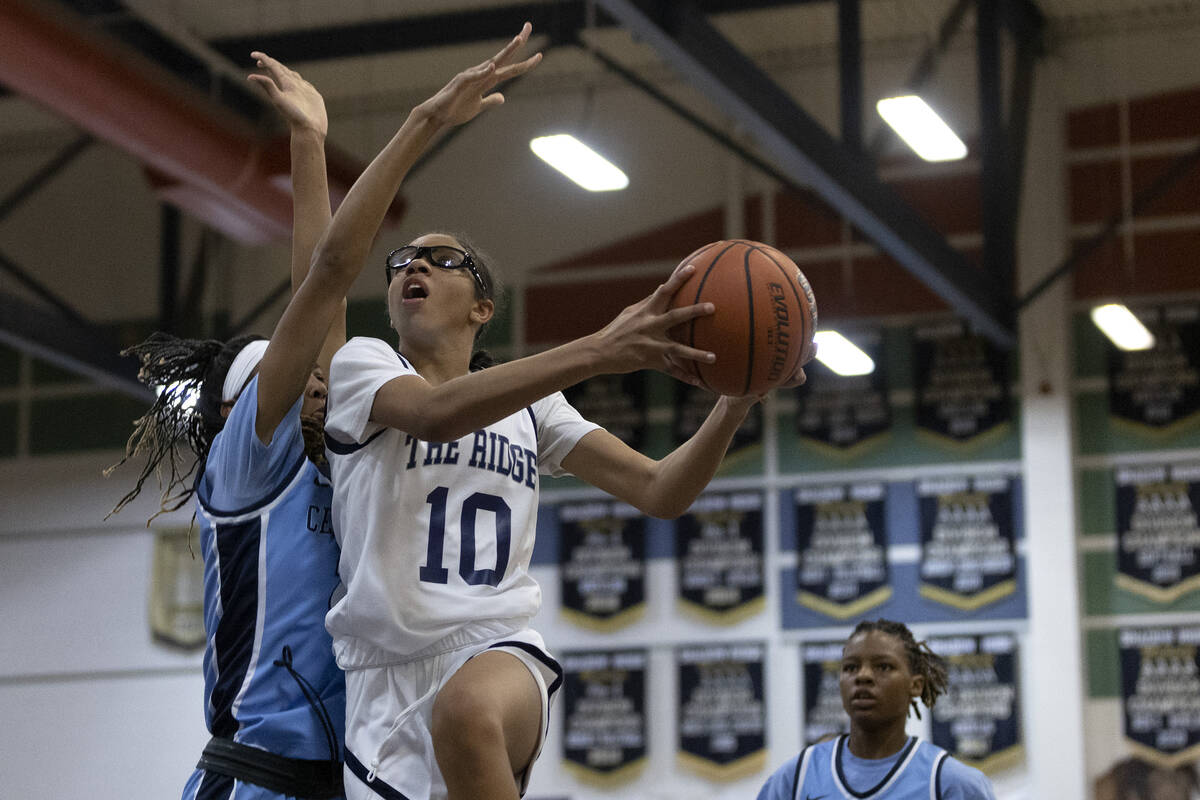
270,566
920,771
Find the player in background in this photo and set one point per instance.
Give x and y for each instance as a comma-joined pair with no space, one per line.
884,671
274,698
435,467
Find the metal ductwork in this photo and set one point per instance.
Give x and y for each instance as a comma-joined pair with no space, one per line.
201,156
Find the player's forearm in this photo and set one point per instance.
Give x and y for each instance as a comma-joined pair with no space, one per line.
348,239
467,403
680,477
310,199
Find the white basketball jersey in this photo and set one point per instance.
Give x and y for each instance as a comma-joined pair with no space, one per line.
433,535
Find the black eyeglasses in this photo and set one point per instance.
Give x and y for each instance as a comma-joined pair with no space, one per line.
439,255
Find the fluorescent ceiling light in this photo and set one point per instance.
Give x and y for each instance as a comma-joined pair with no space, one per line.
842,355
579,162
1121,326
921,127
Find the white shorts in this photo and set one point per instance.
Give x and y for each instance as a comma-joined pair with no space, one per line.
389,747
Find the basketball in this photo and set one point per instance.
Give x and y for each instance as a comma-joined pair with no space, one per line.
764,321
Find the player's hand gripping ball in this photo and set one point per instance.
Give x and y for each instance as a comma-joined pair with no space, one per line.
764,321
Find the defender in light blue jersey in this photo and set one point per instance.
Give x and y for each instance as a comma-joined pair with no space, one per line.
884,671
274,698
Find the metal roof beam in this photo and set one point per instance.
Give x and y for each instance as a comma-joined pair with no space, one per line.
803,150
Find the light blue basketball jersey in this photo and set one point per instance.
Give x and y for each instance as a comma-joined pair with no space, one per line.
920,771
270,566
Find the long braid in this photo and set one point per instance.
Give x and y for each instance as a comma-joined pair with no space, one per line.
175,434
921,660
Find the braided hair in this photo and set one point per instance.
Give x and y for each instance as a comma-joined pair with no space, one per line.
921,660
173,436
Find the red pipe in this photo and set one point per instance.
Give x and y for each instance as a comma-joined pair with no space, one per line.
203,151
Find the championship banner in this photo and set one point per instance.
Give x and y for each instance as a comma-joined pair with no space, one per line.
824,715
719,557
968,550
978,719
692,406
841,543
722,709
961,383
1158,536
1159,389
844,411
177,591
1160,687
617,403
604,700
602,563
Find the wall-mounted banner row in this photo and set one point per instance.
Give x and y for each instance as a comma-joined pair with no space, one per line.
1160,689
865,547
721,712
1158,536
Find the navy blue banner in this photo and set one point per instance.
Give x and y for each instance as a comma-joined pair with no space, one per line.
1158,389
719,556
1158,536
602,563
1160,688
841,544
968,541
844,411
615,402
604,710
722,709
978,719
961,382
824,715
692,406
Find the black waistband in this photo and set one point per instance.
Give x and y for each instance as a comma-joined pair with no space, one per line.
296,777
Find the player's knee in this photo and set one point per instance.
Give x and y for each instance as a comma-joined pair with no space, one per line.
466,719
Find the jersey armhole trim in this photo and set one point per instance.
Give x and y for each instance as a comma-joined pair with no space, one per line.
344,448
289,477
796,775
937,775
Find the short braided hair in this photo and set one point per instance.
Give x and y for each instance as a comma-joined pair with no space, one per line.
921,660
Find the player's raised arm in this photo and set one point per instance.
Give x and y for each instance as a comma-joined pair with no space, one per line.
313,325
302,106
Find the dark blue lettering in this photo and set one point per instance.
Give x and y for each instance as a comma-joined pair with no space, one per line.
491,465
409,439
518,462
451,456
433,454
504,461
478,450
531,469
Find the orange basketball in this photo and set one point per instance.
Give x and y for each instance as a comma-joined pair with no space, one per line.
764,321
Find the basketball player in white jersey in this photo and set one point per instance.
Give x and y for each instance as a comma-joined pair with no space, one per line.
435,467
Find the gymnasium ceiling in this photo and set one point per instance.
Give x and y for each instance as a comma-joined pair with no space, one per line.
371,56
